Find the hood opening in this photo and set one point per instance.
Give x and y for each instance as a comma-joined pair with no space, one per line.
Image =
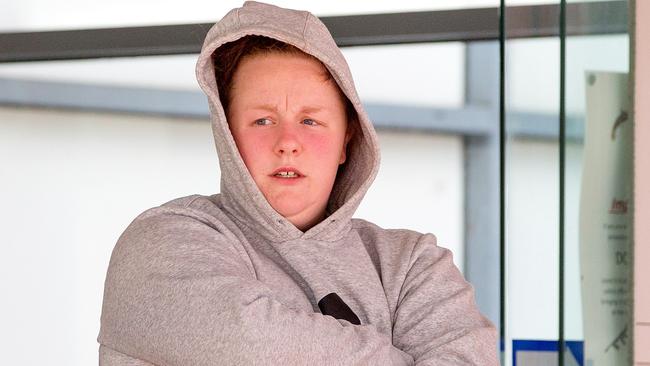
239,194
226,59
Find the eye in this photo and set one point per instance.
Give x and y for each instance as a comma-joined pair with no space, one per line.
309,122
262,121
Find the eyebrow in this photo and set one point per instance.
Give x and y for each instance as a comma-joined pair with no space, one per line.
273,108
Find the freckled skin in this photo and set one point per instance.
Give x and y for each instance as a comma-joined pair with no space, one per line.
284,112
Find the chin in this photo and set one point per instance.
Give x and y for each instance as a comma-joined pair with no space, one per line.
289,210
299,213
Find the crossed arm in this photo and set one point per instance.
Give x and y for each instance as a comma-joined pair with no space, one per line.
167,304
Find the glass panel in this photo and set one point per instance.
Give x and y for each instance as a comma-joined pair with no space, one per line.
598,191
531,194
531,187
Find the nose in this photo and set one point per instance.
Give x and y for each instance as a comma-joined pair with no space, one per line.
288,141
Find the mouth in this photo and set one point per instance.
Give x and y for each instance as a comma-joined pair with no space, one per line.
287,173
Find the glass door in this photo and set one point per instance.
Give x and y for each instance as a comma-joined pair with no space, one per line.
566,183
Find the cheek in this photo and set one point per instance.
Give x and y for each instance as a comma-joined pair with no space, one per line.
251,148
326,148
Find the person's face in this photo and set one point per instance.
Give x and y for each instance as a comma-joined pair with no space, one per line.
285,116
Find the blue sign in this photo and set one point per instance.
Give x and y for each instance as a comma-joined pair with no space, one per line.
525,351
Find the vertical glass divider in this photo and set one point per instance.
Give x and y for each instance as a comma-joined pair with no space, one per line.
502,191
562,135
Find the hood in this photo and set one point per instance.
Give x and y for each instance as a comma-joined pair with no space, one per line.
240,196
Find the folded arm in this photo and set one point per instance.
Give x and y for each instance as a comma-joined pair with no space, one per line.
437,320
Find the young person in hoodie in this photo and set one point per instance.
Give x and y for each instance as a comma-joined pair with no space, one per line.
274,270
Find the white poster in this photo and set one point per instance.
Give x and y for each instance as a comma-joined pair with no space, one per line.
606,221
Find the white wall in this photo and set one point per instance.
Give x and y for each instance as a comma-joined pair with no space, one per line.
422,75
72,182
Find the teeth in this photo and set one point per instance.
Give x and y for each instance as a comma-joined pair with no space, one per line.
286,174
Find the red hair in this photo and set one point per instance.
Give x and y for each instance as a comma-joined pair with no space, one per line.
228,56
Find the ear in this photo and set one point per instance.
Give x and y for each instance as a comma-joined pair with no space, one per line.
348,137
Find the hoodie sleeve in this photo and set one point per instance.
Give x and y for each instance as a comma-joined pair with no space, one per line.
437,321
177,292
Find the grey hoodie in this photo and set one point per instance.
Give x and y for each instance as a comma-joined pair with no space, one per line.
226,280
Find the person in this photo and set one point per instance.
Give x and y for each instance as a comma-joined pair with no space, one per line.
274,269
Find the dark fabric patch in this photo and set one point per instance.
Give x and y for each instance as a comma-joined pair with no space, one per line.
333,305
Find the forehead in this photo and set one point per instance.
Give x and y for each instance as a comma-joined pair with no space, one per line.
294,66
274,75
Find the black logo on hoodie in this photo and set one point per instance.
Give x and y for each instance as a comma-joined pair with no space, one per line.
333,305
